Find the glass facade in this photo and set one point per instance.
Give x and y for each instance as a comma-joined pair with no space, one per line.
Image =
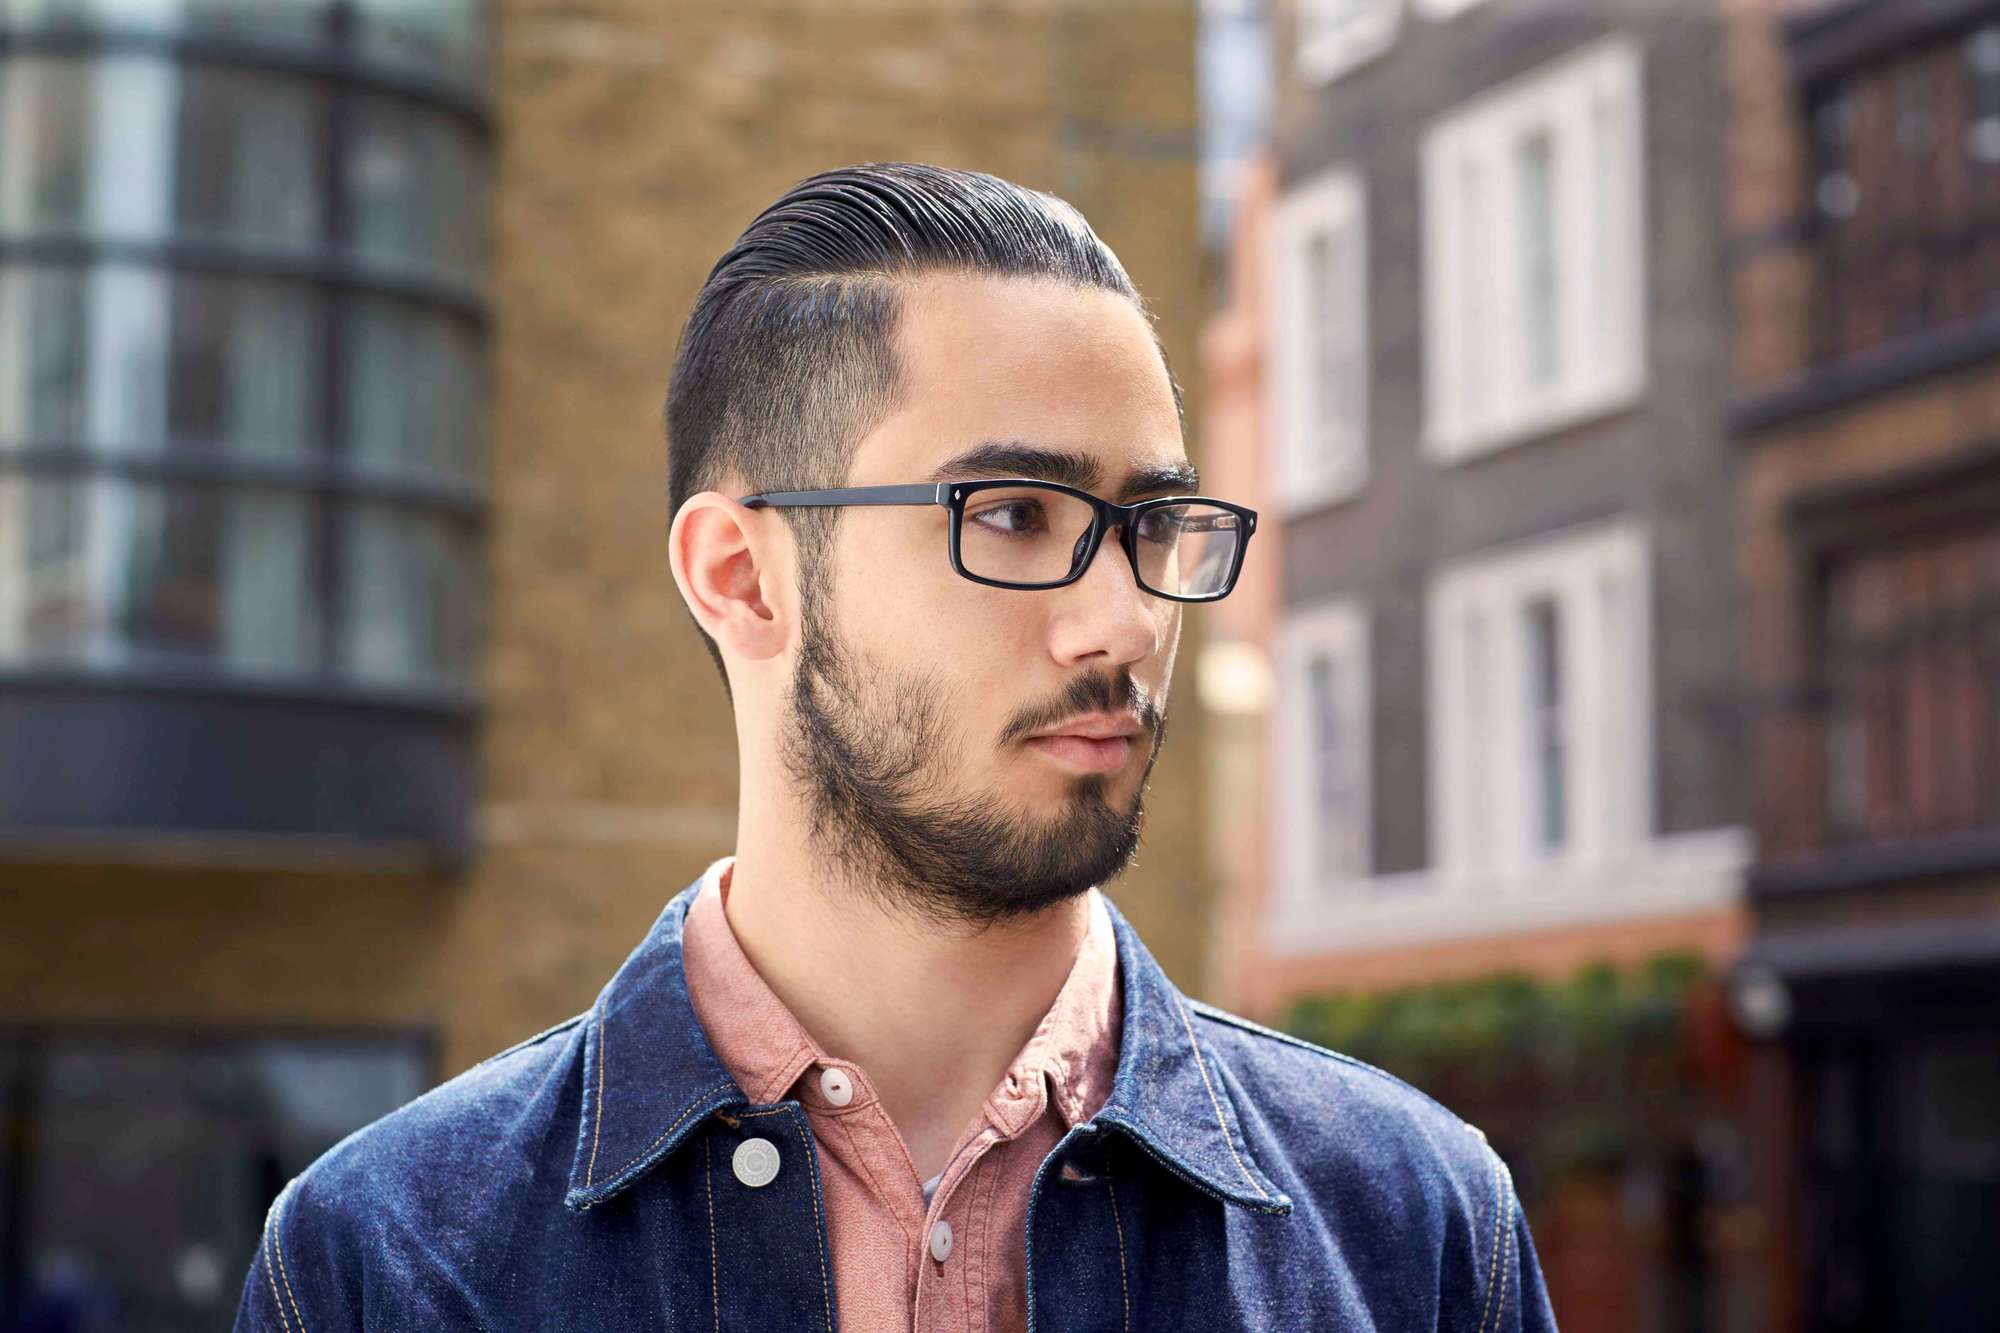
242,339
183,1144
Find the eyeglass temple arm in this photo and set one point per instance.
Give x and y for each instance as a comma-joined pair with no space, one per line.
919,494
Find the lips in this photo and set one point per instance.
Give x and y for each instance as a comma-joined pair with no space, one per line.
1095,756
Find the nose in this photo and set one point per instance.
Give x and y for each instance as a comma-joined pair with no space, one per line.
1105,612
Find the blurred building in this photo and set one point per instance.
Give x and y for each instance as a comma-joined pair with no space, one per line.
1474,354
351,726
1621,383
1864,215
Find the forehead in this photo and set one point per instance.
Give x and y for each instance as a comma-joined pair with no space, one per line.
1009,376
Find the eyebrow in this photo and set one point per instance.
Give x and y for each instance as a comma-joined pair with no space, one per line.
1016,458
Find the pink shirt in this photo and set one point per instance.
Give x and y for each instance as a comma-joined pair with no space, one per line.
883,1235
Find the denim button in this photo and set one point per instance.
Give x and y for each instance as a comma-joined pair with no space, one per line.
755,1162
940,1240
839,1089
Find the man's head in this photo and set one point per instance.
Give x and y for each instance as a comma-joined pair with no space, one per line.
870,327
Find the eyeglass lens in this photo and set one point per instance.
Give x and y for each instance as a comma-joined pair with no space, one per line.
1029,535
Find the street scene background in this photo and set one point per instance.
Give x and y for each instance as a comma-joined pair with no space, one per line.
1603,737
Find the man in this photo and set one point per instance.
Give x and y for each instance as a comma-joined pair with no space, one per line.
897,1062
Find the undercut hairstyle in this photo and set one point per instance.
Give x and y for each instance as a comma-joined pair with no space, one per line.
788,359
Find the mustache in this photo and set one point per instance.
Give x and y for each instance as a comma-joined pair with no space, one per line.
1093,695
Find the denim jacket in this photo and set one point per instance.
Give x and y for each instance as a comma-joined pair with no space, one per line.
1235,1178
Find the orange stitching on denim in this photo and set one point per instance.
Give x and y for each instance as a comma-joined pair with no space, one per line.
825,1287
270,1233
1220,1123
708,1180
279,1241
690,1109
597,1123
1124,1289
1493,1264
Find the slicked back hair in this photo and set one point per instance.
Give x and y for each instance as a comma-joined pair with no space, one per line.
787,359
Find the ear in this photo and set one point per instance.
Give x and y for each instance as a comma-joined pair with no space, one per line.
732,566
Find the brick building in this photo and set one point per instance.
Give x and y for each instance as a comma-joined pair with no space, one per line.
1474,359
1864,193
351,726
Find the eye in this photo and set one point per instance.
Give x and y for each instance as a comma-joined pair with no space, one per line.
1027,516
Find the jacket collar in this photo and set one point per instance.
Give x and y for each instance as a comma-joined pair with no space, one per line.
650,1076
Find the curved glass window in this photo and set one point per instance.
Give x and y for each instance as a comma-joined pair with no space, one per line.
89,146
297,20
409,175
242,350
104,573
413,391
442,35
126,358
430,37
408,618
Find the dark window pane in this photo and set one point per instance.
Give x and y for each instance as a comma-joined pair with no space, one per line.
289,21
248,169
133,147
43,376
443,35
411,598
45,609
214,576
150,1165
417,182
126,358
106,573
414,393
246,363
45,118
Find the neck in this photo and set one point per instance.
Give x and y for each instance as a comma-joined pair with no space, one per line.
933,1016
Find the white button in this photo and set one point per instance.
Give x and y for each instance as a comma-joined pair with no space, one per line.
941,1240
839,1089
755,1162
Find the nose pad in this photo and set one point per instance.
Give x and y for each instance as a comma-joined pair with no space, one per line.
1076,551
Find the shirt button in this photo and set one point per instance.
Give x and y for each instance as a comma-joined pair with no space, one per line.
755,1162
839,1089
941,1240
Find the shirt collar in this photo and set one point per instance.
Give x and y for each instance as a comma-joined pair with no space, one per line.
1067,1063
651,1076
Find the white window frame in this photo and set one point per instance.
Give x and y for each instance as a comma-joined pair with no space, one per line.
1310,471
1338,630
1337,37
1483,810
1478,393
1439,10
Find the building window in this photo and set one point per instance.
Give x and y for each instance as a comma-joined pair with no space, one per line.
1444,9
242,340
1319,341
1321,728
1906,157
1337,36
1912,672
183,1143
1533,253
1540,703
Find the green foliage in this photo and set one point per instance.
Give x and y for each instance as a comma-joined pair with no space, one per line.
1581,1070
1501,1022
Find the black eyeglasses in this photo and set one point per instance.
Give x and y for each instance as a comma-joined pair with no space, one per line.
1020,533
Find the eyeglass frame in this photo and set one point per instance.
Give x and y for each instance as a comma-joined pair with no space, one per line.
952,495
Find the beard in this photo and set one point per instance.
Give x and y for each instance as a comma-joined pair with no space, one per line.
875,756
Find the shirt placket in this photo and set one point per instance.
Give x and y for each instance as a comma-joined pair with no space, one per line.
945,1301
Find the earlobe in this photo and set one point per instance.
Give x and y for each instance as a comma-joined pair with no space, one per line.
719,554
